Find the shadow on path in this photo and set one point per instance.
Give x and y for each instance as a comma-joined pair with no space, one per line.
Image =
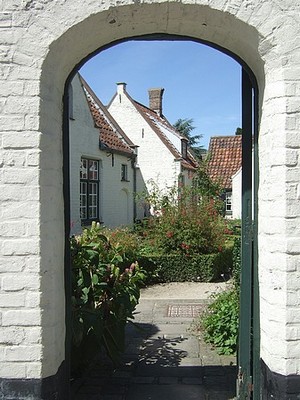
155,366
163,360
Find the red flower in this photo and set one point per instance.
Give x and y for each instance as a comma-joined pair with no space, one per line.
169,234
185,246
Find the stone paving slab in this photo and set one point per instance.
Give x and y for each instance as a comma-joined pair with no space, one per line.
166,392
163,360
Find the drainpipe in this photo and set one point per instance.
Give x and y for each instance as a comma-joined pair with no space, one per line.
134,166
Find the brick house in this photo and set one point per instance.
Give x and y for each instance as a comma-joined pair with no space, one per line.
224,161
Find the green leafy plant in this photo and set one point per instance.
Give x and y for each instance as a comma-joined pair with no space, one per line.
220,322
180,268
184,223
126,241
104,295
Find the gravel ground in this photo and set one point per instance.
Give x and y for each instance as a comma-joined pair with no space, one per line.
183,290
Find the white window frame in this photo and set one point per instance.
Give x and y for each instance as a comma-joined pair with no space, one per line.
228,203
89,190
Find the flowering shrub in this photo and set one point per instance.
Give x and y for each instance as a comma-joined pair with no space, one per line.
105,292
188,226
127,242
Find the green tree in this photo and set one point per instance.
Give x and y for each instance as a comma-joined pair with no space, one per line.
238,131
206,188
185,127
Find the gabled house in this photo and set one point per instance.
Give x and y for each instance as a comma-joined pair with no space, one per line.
224,162
163,155
102,163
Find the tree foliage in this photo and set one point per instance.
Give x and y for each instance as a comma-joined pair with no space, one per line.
206,188
185,127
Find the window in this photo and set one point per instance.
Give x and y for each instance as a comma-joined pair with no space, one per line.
124,176
228,204
184,148
89,189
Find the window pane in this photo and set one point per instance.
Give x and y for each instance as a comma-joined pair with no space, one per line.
92,212
83,200
228,201
93,200
83,168
124,172
93,170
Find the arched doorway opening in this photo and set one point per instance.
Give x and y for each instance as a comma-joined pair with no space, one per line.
249,328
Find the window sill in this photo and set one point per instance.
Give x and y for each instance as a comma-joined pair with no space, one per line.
125,180
87,222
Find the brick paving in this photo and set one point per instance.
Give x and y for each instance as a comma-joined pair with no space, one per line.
163,360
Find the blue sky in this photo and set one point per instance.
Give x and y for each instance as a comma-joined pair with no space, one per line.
200,82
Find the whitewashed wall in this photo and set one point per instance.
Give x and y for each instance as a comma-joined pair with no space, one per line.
155,160
116,196
41,41
237,195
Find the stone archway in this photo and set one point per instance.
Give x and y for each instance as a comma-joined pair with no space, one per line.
50,38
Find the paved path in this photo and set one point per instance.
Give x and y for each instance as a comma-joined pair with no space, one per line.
163,359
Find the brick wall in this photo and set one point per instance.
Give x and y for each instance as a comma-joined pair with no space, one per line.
40,42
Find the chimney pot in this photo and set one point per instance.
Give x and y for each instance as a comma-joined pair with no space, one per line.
155,100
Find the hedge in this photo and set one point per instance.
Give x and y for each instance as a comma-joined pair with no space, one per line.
183,268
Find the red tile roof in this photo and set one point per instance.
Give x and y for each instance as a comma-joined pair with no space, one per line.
224,158
111,135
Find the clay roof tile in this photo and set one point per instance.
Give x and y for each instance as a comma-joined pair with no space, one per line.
225,158
111,135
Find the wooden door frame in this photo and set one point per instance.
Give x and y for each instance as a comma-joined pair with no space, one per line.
248,380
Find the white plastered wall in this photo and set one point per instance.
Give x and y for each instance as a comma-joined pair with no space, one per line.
154,158
41,42
84,142
237,195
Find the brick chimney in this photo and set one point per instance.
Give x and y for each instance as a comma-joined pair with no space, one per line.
155,100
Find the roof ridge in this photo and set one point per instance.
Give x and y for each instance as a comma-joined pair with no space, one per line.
161,134
108,134
109,118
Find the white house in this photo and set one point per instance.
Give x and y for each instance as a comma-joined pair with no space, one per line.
163,154
224,161
236,199
102,163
